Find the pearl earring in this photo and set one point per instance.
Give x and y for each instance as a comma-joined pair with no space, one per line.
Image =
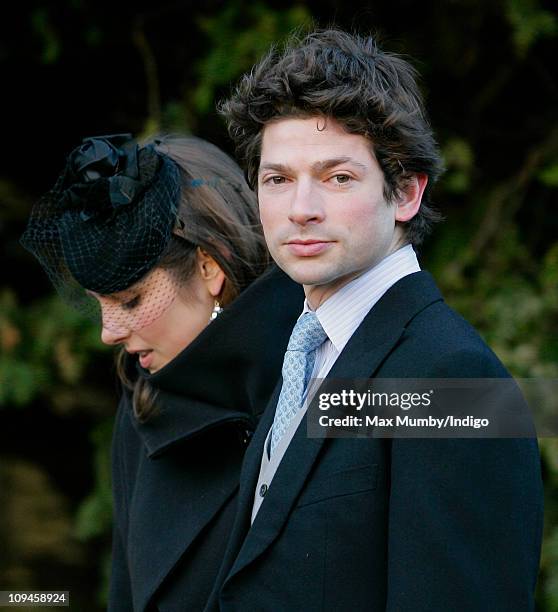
217,310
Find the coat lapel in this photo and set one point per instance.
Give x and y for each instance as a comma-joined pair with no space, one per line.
154,525
248,480
377,335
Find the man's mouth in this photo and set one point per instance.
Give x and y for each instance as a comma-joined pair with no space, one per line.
308,248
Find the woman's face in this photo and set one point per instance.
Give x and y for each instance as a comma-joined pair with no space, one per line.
155,318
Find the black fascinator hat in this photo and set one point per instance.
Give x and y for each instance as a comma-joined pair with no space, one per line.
108,218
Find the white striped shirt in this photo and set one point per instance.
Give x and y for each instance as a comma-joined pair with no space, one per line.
343,312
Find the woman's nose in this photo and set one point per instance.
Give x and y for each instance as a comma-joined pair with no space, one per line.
114,335
115,328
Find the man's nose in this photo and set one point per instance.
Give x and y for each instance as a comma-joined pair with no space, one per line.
307,205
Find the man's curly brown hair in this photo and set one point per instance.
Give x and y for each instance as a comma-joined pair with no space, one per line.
334,74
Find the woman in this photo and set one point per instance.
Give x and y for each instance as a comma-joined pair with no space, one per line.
162,239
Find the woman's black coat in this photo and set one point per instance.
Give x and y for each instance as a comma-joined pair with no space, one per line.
175,477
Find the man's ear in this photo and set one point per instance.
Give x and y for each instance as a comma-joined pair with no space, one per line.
211,272
410,196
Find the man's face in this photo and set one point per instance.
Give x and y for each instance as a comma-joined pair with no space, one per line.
322,206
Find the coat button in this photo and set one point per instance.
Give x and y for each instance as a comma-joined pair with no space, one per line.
263,490
245,435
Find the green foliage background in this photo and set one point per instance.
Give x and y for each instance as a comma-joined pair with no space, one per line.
76,68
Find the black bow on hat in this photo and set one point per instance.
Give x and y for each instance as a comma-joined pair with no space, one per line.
108,218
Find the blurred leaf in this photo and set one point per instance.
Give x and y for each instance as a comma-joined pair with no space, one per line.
549,175
43,345
49,39
459,159
176,118
550,563
238,37
17,381
94,516
529,23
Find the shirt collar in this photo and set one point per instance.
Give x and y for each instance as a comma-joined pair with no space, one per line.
343,312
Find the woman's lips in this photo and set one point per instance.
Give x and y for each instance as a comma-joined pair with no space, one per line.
145,359
308,248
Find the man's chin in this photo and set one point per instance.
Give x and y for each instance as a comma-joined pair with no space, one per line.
302,277
308,274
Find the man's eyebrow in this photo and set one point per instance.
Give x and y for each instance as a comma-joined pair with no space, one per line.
274,167
318,166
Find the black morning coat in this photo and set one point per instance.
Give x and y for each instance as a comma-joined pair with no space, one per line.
175,478
391,525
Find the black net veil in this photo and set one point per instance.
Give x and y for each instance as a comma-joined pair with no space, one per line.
100,231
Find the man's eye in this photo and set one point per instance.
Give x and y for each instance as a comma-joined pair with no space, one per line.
131,303
275,180
341,179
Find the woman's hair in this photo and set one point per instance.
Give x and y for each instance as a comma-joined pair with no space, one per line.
218,213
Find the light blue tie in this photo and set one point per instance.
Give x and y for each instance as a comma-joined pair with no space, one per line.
298,363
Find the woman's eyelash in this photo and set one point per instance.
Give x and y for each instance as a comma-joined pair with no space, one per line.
131,303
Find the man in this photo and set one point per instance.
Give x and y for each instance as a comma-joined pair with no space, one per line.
335,139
